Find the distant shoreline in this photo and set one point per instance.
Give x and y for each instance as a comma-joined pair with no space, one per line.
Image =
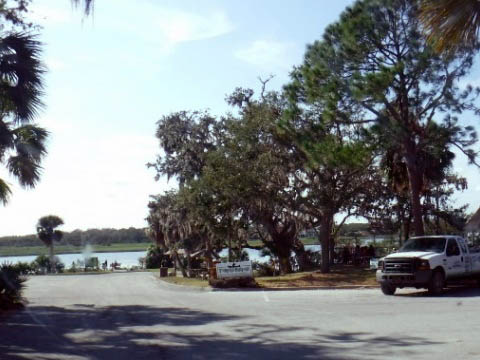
13,251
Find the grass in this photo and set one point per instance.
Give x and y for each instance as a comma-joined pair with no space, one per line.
186,281
70,249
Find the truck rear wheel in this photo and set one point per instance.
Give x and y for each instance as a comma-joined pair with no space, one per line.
388,289
437,283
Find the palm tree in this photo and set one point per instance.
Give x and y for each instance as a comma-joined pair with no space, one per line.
86,4
46,230
22,143
451,23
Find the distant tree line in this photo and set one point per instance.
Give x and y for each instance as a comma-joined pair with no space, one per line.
83,237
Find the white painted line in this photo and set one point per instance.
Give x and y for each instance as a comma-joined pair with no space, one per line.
265,297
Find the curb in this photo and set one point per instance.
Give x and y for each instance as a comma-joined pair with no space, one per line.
183,287
210,289
341,287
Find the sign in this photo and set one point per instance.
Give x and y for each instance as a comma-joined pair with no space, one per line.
234,269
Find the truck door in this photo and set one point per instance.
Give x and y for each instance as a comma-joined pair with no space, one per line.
455,260
466,255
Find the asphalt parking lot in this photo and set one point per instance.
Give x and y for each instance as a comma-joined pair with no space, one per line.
136,316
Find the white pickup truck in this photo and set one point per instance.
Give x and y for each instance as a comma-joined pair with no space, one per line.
428,262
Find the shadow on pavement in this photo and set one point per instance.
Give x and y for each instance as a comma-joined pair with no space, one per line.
455,291
143,332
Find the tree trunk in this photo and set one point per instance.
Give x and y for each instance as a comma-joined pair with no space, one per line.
178,263
324,238
283,254
301,256
415,178
52,258
189,263
332,250
208,254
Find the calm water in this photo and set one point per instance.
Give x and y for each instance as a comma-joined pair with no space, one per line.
128,259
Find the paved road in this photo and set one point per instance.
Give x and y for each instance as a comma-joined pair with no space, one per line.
135,316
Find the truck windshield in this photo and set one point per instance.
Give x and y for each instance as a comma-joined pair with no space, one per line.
424,244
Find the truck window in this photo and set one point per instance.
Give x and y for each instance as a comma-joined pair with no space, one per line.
433,244
463,246
452,248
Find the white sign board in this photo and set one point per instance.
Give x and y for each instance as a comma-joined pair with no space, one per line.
234,269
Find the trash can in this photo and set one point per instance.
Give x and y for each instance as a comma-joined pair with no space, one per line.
163,272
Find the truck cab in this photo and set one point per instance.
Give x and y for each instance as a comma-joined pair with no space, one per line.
428,262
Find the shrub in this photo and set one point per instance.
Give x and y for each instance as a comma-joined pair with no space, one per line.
233,283
262,269
156,258
23,268
42,264
11,285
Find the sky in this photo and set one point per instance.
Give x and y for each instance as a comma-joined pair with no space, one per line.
114,75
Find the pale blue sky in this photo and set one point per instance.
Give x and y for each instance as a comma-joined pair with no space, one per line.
112,77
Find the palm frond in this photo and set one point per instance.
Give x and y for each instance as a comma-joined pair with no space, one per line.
451,23
21,76
30,141
4,192
86,4
25,169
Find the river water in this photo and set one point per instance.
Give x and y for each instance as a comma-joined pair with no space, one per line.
127,259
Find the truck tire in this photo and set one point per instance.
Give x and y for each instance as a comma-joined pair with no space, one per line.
388,289
437,283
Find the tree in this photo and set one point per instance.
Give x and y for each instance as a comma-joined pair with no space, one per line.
173,228
375,61
155,258
337,174
48,233
22,143
185,138
451,23
251,173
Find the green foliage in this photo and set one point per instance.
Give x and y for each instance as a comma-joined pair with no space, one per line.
43,264
156,258
11,286
12,15
22,143
46,229
24,268
374,71
263,269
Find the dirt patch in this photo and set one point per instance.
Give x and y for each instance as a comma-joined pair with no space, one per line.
339,276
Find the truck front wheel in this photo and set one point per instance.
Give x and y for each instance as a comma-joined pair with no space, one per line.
388,289
437,283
